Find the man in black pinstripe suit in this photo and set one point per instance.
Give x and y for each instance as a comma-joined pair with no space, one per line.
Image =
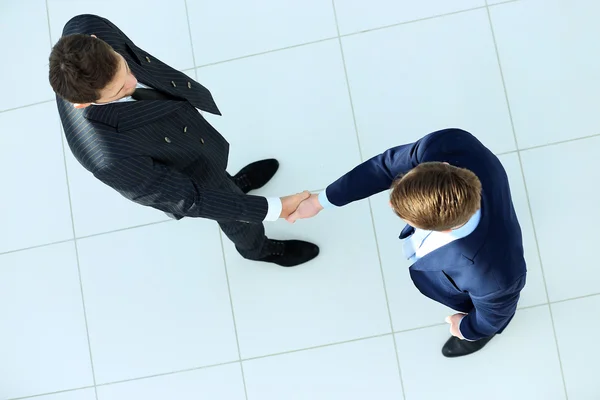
133,122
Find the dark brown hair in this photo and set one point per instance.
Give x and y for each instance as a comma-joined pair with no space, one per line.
436,196
80,66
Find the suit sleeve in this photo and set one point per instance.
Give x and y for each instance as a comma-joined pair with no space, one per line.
377,174
149,183
374,175
491,313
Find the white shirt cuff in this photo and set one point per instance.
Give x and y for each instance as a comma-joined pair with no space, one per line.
274,208
324,201
460,322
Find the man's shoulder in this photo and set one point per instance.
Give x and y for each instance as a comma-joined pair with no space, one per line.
102,28
450,140
86,139
85,24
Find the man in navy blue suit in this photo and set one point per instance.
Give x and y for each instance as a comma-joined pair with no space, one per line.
462,233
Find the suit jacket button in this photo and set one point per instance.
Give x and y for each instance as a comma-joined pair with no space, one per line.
201,140
147,58
173,83
189,85
184,129
167,139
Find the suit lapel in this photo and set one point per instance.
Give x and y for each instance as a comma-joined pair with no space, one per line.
407,231
151,74
442,259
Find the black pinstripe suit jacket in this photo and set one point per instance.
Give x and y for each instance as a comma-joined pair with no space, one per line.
159,153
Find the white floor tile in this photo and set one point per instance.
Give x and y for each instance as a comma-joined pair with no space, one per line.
24,72
577,328
292,105
366,369
43,340
414,79
563,195
98,208
548,53
35,198
157,300
355,15
226,29
223,382
157,26
83,394
336,297
520,364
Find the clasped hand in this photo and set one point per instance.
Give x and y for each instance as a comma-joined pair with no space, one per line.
300,206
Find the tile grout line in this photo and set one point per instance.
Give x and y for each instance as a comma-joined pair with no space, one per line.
36,246
26,105
585,296
124,229
84,237
85,318
237,339
528,200
387,302
558,143
181,371
265,52
321,346
35,396
187,15
48,20
413,21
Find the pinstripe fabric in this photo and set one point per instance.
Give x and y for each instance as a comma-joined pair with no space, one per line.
163,153
249,239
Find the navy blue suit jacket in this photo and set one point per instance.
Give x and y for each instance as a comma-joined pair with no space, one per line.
481,274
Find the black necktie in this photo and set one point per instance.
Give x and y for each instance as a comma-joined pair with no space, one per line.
151,94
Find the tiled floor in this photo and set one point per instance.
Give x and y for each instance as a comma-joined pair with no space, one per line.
101,299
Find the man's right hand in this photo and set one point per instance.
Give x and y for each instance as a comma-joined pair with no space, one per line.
307,209
289,204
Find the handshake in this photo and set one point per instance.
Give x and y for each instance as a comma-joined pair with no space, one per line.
300,206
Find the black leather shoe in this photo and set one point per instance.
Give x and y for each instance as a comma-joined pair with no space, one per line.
256,175
289,253
455,347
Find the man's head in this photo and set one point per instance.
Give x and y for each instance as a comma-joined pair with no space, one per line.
85,70
436,196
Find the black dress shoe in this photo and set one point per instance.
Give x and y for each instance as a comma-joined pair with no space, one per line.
456,347
256,175
289,253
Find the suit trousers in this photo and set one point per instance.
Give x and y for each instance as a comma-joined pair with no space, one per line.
249,238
